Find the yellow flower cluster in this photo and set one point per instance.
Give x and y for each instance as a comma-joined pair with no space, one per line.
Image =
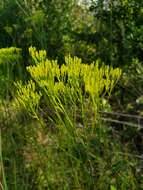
69,82
73,73
27,97
37,56
10,55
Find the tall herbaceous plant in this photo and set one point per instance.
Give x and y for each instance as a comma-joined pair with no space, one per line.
68,140
71,91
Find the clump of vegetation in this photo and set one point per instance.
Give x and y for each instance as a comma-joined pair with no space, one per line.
72,88
69,122
65,135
